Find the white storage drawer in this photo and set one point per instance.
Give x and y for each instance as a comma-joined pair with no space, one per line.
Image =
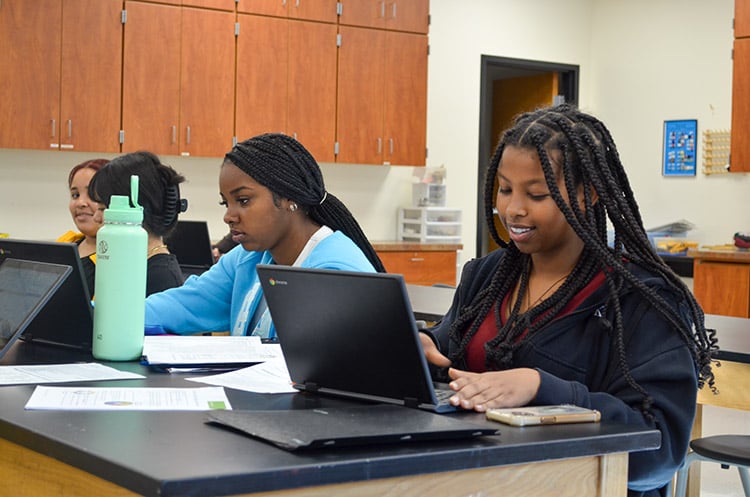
429,224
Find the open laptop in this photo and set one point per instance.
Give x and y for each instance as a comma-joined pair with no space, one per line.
350,334
25,288
67,319
191,243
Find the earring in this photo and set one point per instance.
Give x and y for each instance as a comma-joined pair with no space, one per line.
292,207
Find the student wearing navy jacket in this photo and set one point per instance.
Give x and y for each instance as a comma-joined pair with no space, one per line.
557,316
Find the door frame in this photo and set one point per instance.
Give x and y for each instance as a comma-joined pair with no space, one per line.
492,69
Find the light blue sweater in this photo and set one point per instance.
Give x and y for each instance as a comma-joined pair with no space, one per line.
212,301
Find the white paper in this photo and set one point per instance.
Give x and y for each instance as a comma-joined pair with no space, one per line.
268,377
128,399
186,350
61,373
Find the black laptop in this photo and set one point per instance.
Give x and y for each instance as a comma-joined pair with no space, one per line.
25,289
67,319
350,334
191,243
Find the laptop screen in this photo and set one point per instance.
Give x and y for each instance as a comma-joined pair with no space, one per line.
349,332
191,243
67,319
25,287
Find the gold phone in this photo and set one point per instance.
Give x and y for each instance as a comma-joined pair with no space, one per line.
544,415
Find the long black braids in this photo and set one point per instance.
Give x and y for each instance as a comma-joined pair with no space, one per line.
284,166
587,158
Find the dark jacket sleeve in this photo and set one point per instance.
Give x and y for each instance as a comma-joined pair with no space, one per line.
661,363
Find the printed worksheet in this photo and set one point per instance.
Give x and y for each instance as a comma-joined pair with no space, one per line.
128,399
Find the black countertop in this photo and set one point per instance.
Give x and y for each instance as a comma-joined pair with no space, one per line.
178,454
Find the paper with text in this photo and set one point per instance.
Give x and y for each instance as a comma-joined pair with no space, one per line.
127,399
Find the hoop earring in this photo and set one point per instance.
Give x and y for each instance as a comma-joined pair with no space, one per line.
292,207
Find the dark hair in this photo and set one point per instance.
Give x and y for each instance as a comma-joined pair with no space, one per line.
586,156
94,164
284,166
158,189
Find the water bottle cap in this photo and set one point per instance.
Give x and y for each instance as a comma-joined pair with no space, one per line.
119,211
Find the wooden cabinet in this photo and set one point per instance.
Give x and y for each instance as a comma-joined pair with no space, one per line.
178,94
399,15
312,10
60,90
721,282
421,264
382,97
286,81
739,158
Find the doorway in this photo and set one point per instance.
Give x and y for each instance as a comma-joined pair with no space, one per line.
510,86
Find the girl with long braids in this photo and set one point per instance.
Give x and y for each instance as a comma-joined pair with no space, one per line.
279,212
556,316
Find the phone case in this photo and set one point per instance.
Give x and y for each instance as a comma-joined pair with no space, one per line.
544,415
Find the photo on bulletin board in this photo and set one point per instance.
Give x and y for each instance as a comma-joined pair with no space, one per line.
680,148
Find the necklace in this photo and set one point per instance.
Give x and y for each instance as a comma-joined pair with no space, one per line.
544,294
154,250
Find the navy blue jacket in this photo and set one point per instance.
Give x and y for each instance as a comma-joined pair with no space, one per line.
578,364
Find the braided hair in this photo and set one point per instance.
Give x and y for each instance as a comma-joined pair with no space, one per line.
158,189
588,160
284,166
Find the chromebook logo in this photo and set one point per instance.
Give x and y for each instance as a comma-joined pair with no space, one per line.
274,282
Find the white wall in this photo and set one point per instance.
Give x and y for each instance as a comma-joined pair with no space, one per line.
641,61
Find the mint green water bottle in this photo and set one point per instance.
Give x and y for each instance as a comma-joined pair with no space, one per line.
120,281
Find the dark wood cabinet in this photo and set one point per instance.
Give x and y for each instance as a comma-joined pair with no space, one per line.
60,89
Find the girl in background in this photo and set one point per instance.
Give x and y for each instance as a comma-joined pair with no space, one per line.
83,210
159,195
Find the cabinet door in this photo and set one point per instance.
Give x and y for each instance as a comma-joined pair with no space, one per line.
361,82
402,15
367,13
313,10
91,75
408,15
151,78
740,140
405,107
741,18
30,62
207,82
262,59
265,7
311,91
722,288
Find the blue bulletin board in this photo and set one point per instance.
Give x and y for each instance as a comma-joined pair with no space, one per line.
680,142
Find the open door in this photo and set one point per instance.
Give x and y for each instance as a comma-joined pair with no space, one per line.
509,87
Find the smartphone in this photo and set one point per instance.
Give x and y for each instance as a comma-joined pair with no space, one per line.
544,415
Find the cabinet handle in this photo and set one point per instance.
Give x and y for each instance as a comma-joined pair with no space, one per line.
297,5
294,135
390,142
283,3
382,9
174,134
70,129
188,135
380,145
394,10
417,259
54,126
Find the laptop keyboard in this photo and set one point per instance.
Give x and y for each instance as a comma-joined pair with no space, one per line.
443,394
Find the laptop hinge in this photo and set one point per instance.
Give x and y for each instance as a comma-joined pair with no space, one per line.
311,386
411,402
